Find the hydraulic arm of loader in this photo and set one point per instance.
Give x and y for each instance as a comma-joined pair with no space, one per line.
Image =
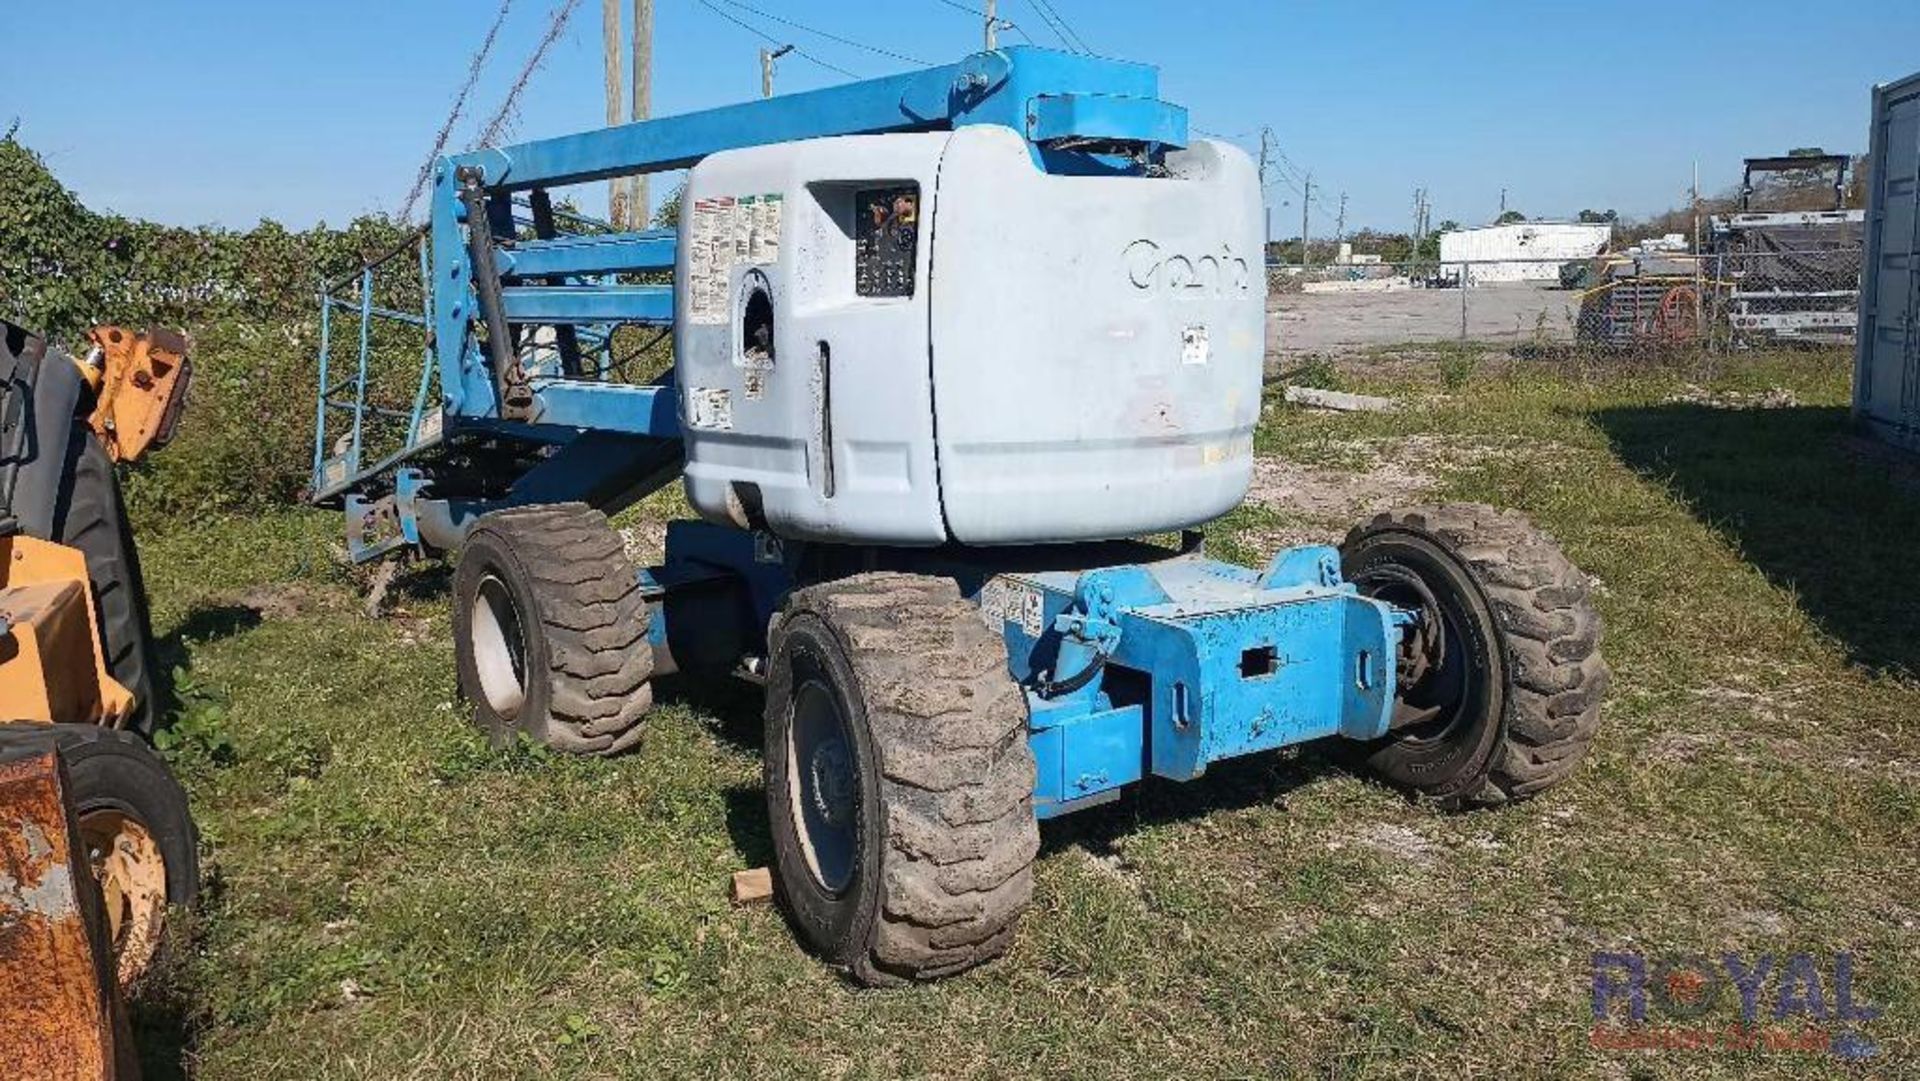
140,382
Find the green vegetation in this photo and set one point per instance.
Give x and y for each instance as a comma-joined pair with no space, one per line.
387,897
247,298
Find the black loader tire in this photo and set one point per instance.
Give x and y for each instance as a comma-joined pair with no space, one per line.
90,516
1522,623
942,826
113,773
581,657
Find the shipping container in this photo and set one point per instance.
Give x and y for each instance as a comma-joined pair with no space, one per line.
1886,383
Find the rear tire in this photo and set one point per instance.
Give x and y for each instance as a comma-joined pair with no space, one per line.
550,630
1505,700
899,778
90,516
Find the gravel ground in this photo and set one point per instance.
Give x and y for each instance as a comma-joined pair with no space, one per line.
1301,323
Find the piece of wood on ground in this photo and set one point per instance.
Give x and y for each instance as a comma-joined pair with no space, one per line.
1340,400
752,886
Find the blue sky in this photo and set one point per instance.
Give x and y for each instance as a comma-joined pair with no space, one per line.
226,111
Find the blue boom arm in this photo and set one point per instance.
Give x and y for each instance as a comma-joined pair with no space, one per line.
492,292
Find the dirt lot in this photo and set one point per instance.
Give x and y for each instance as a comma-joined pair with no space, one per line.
389,898
1303,323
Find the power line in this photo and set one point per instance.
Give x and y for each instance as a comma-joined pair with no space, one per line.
502,119
1004,24
875,49
1046,8
459,105
1058,33
771,40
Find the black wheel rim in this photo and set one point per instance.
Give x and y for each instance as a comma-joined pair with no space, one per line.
824,788
1436,680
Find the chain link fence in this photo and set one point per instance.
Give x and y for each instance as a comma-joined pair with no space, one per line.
1639,302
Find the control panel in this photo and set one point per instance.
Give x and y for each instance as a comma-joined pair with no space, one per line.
886,237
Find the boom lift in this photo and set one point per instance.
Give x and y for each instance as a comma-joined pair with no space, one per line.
945,344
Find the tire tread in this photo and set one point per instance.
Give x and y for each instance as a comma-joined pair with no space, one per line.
956,772
1544,605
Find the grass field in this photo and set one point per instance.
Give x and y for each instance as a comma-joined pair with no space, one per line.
388,898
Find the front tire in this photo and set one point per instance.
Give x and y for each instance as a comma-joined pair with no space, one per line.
1501,681
899,778
550,630
140,839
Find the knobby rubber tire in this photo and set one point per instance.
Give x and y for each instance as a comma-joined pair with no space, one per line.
584,622
946,834
1550,671
90,516
110,768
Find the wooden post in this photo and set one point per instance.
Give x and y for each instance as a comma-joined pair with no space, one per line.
642,102
610,46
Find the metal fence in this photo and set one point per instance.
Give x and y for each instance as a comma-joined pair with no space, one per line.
1639,302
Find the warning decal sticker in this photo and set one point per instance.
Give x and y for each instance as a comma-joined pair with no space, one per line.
726,232
1004,600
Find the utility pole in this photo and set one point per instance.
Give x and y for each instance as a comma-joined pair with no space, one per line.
1306,201
638,217
610,45
1340,223
767,57
1699,281
1419,221
1266,142
993,37
1696,205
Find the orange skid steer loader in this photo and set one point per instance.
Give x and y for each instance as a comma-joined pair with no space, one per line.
77,701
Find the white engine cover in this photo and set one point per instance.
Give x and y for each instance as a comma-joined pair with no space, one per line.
963,347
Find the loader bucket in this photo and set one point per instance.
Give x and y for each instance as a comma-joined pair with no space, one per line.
60,1011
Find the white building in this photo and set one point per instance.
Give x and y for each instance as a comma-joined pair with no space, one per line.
1522,251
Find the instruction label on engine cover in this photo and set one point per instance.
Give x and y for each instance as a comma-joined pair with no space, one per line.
725,232
1004,600
710,408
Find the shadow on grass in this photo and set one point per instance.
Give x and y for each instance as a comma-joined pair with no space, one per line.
1814,509
163,1036
735,710
204,623
422,582
1231,785
735,707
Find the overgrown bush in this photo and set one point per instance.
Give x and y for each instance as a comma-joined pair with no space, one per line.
248,299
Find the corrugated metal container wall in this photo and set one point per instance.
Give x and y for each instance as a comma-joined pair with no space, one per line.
1523,251
1886,380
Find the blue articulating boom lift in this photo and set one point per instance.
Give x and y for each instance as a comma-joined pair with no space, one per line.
945,346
